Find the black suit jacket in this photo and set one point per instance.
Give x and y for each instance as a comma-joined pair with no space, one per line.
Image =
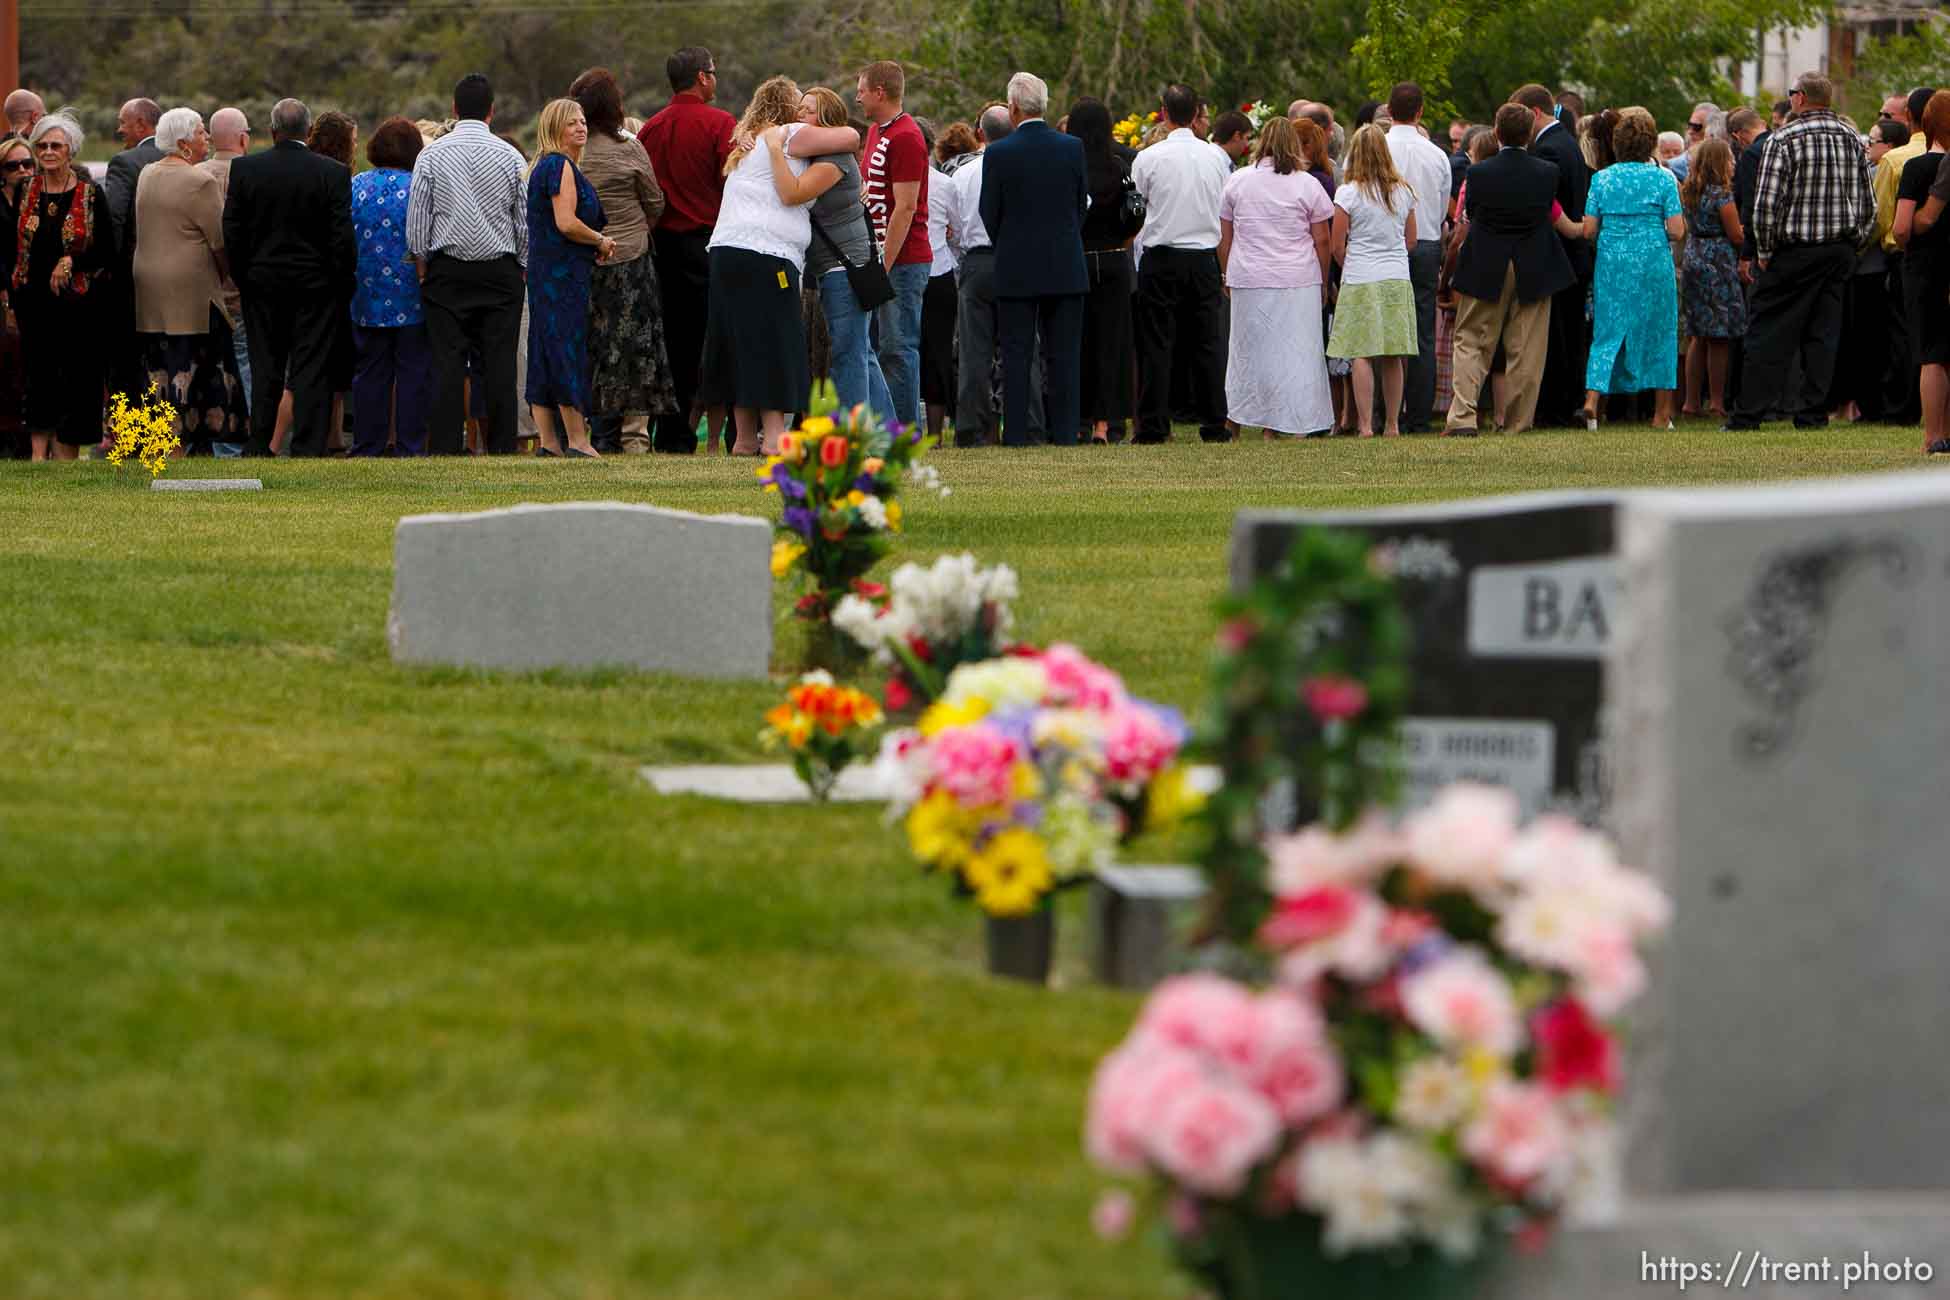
287,221
1034,192
1746,184
1558,144
1509,209
124,169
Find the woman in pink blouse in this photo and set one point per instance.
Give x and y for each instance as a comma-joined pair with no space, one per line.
1274,221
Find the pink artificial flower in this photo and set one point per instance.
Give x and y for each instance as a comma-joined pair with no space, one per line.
1209,1138
1573,1049
975,764
1316,856
1113,1215
1131,1085
1461,838
1296,1067
1354,951
1079,682
1460,1001
1183,1010
1137,744
1236,634
1334,698
1406,927
1518,1134
1610,974
1303,918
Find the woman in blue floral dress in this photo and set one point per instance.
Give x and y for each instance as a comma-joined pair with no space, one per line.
392,374
1633,212
565,240
1716,309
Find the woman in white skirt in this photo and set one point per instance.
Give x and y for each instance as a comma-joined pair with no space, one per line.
1374,317
1274,222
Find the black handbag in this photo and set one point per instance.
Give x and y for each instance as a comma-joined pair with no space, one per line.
1130,210
871,287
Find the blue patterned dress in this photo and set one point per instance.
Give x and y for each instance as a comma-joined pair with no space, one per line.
1634,302
559,365
1715,306
386,290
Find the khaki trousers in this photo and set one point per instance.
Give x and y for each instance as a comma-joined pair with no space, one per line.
1524,329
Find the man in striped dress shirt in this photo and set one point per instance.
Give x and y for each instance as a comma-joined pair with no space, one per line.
467,228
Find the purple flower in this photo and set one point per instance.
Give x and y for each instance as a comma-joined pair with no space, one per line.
800,520
1014,724
1169,718
1028,814
1430,948
788,485
866,483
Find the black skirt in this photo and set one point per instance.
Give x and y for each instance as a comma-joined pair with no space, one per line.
1108,379
61,362
1925,308
754,339
938,307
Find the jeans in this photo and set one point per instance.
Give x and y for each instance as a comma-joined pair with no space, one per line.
241,347
856,370
900,340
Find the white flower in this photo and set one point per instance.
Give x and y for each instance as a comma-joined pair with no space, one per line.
874,512
1461,1001
1078,839
1359,1189
1435,1094
1005,683
1316,856
817,677
860,619
1462,837
1454,1223
901,769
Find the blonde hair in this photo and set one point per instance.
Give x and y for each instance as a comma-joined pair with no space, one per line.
774,103
552,129
828,107
1371,168
1279,141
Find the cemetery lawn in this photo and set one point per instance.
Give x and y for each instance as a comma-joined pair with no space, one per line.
325,978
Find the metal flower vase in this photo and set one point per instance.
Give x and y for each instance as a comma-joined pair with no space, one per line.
1021,947
1245,1257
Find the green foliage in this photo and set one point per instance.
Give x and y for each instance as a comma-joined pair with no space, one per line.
1412,40
1895,66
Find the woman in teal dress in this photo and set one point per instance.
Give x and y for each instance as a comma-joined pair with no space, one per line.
565,240
1633,211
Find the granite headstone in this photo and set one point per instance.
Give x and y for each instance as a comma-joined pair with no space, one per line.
584,585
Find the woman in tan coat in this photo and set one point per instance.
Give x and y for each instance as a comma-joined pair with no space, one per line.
181,331
626,324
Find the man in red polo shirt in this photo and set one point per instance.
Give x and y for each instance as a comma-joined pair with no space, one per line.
688,142
894,176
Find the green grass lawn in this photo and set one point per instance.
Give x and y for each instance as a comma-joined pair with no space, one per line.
327,978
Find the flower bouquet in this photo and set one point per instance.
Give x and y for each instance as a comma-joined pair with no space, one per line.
1131,131
824,726
837,475
933,621
1259,113
146,431
1429,1075
1026,774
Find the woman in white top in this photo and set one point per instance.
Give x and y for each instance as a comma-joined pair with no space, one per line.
1274,227
1374,317
754,338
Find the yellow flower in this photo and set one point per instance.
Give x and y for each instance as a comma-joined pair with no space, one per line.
794,726
894,515
941,715
938,830
1026,782
818,426
855,497
1171,800
871,465
791,448
764,471
1010,874
1483,1066
784,555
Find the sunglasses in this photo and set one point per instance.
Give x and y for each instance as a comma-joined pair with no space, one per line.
1695,126
24,165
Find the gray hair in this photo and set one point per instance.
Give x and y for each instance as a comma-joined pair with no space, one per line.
226,124
1716,120
59,120
175,127
995,123
1028,93
290,119
1671,137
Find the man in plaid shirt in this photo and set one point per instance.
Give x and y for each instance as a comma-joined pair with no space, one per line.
1813,211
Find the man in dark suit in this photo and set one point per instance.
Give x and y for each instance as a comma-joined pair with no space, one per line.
1510,264
1560,395
287,224
1034,194
137,127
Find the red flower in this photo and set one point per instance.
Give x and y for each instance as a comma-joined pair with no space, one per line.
1333,698
919,645
871,590
833,451
898,696
1573,1050
810,606
1303,918
1236,634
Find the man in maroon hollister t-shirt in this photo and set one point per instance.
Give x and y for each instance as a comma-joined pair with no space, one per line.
688,142
894,183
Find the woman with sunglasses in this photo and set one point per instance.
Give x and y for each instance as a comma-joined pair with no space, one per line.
62,254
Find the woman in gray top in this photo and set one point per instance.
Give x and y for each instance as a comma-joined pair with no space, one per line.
834,179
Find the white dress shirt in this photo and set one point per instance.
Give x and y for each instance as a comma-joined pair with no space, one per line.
1182,179
1426,169
965,228
469,197
938,218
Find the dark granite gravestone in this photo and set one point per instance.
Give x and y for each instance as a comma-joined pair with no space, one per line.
1513,602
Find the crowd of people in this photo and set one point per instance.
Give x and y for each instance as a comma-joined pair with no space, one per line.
682,281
